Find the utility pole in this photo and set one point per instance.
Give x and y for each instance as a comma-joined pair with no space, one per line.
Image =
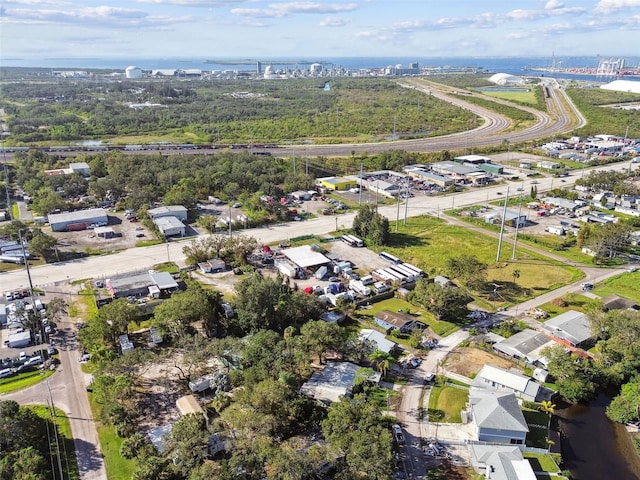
515,240
406,207
359,184
398,212
504,214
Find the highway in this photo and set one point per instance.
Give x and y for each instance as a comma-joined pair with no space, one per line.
493,130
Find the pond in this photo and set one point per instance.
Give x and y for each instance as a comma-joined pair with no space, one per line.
593,447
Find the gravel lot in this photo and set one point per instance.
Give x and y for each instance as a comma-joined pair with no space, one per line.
124,230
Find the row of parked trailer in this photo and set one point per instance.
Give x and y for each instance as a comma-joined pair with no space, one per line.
399,271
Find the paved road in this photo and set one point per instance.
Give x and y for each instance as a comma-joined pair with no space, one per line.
67,389
142,258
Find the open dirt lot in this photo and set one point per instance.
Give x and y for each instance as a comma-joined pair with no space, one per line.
468,361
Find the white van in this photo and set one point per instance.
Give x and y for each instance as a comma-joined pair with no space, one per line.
7,372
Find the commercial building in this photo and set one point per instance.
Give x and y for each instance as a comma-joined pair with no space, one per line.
305,257
177,211
78,220
511,218
429,177
170,226
149,283
337,183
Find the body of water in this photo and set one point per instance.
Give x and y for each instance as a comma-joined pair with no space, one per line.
594,447
511,65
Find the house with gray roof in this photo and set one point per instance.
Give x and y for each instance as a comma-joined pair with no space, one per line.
497,417
571,327
334,381
500,462
378,340
525,345
495,378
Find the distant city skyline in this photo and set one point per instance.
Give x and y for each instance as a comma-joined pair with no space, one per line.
372,28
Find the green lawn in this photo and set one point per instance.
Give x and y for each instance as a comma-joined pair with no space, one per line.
118,468
67,450
541,463
445,403
428,242
441,328
574,301
536,436
23,380
528,97
625,285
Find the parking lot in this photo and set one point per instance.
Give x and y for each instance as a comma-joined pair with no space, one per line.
126,235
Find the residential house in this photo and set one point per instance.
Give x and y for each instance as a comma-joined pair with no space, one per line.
334,381
378,339
400,321
500,462
497,417
525,345
616,302
571,327
495,378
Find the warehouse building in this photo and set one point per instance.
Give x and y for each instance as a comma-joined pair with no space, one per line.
78,220
177,211
170,226
151,283
337,183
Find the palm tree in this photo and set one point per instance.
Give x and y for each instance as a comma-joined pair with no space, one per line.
547,406
516,275
382,361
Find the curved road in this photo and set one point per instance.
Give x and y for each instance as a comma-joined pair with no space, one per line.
563,117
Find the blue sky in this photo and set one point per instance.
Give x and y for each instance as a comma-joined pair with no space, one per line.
338,28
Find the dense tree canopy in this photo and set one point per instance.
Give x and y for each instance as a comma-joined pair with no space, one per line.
371,226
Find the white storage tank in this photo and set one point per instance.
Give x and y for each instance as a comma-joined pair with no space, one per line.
133,72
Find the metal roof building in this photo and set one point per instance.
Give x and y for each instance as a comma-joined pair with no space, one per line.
305,257
177,211
334,381
60,221
573,327
170,226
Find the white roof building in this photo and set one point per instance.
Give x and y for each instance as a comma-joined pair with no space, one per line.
305,257
334,381
506,79
622,86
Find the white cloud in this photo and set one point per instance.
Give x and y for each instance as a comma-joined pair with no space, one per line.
334,22
291,8
195,3
610,6
553,4
101,16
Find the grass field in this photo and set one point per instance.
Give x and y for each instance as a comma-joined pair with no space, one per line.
528,97
445,403
441,328
541,463
23,380
625,285
429,242
67,450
